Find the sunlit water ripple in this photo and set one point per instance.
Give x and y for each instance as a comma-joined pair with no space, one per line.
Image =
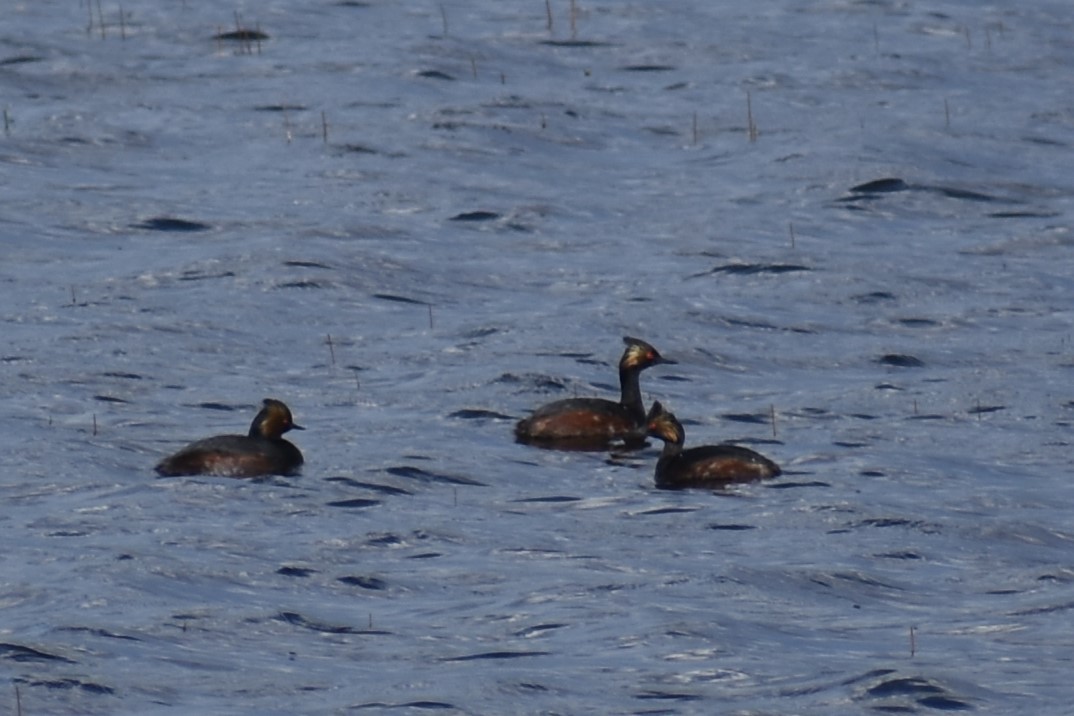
414,223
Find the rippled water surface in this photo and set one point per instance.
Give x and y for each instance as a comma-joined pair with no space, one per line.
849,223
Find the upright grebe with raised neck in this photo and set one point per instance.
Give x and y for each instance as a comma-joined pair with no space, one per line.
262,451
593,423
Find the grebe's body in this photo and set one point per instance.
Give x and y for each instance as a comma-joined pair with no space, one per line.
261,452
596,422
704,466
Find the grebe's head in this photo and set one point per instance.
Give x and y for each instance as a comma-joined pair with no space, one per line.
662,424
639,355
273,421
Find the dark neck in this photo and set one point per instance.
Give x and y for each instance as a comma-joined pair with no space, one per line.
669,456
631,392
255,427
671,450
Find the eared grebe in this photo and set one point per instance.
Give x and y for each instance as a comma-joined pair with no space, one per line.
592,423
705,466
261,452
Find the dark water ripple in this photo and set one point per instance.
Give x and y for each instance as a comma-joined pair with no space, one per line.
892,693
372,486
299,620
68,684
421,475
167,223
20,653
497,655
418,705
353,503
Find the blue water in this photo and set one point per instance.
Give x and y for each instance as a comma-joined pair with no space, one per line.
414,222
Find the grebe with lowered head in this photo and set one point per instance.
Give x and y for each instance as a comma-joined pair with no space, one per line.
705,466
